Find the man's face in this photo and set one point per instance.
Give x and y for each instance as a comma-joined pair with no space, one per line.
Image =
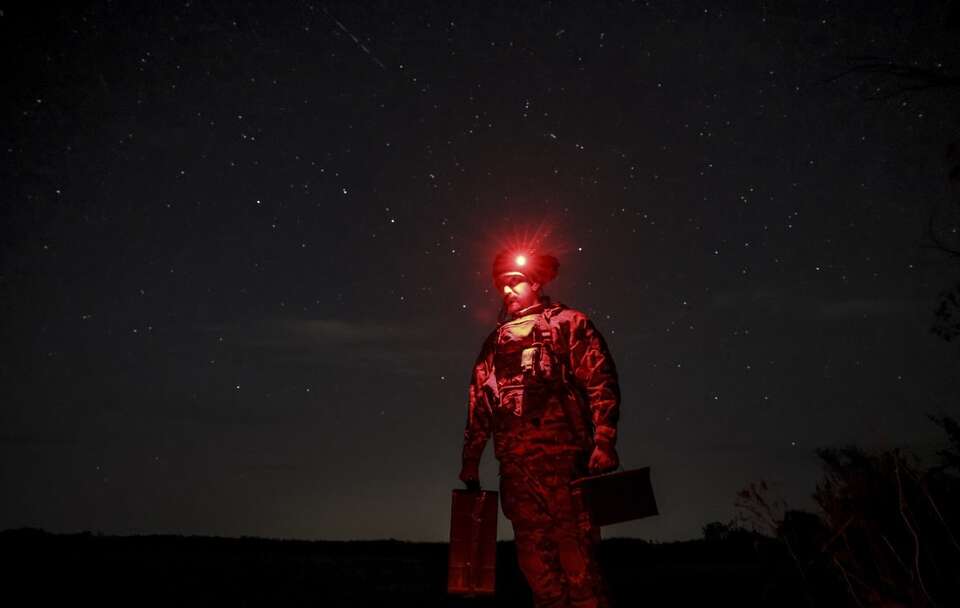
518,291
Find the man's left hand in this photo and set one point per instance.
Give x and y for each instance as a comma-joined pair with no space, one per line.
603,460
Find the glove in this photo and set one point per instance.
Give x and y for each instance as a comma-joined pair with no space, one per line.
603,459
470,475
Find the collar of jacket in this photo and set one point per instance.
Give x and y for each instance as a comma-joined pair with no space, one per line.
543,305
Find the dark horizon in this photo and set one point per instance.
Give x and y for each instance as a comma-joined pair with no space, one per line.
246,250
252,572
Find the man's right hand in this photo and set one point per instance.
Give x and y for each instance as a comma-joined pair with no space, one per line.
470,475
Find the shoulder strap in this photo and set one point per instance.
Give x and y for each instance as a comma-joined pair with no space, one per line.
544,327
544,331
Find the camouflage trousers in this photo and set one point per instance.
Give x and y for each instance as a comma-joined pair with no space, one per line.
556,542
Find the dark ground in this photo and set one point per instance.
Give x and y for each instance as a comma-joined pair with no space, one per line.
203,571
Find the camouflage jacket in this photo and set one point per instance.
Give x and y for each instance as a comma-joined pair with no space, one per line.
544,385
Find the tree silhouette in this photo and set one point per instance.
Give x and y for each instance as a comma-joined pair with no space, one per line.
886,533
928,70
892,524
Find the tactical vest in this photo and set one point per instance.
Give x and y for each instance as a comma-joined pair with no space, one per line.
538,410
526,363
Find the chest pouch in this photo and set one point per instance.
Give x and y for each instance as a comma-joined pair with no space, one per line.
528,360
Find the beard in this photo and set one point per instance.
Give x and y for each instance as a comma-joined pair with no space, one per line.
514,305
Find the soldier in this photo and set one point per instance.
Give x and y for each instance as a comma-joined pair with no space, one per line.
546,387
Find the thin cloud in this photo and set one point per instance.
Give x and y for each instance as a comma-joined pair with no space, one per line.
404,348
351,332
784,302
860,307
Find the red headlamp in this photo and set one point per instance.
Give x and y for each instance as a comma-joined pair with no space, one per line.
538,267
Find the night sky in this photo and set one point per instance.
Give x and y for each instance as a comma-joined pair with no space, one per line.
245,249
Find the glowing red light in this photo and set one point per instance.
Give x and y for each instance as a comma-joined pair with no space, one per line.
521,260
